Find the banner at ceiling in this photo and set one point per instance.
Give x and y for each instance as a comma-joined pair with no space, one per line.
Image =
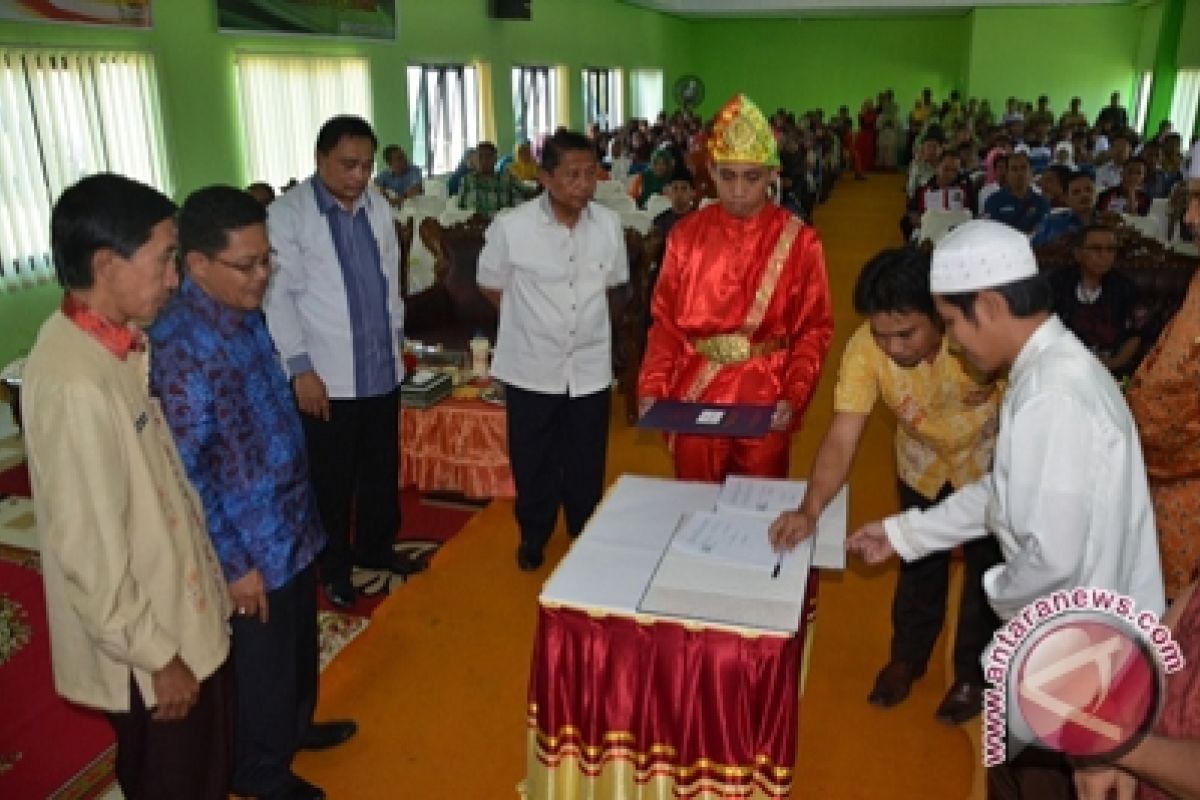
130,13
363,19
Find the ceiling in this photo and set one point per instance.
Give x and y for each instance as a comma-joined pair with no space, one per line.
821,8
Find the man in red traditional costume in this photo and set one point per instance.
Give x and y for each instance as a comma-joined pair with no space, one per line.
741,313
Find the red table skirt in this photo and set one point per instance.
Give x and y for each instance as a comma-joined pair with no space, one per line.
456,446
621,709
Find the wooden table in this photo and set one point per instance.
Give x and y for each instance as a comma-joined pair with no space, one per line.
456,446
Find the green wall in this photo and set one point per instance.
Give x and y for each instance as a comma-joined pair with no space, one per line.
825,63
1088,52
196,79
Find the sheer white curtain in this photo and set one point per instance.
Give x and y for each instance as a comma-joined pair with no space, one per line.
647,100
285,100
444,113
535,101
64,115
1184,101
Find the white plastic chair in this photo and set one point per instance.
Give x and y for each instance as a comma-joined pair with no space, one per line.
609,189
424,205
936,224
657,204
452,215
640,221
1146,226
618,203
436,187
1159,210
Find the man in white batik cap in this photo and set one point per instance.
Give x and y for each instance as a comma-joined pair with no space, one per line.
1067,496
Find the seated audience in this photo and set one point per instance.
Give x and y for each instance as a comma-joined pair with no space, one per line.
1096,302
523,167
1053,185
925,165
1073,118
484,191
262,192
619,164
1127,197
467,165
1081,205
1064,155
1109,173
401,180
995,175
655,179
1158,181
946,191
1017,204
682,195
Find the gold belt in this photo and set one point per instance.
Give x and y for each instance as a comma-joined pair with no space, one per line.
734,348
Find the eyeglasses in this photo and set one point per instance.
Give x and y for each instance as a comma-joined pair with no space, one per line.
247,267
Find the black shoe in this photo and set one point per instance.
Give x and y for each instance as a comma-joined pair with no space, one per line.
397,565
893,683
961,703
528,560
324,735
340,593
296,788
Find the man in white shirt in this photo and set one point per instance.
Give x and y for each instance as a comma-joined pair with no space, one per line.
334,311
1067,496
548,266
1110,173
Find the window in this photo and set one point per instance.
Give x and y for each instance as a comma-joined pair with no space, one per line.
1184,101
647,97
444,112
1141,100
535,96
64,115
285,100
603,98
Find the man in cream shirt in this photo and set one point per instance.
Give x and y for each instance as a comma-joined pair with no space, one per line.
548,266
136,600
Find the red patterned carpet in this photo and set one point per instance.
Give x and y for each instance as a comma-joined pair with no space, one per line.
49,747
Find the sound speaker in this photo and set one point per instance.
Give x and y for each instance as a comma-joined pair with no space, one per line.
510,9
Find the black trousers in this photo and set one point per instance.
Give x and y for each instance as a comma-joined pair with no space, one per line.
354,462
919,605
187,759
276,665
557,445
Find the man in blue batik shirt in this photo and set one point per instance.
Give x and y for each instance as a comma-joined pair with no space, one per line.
225,397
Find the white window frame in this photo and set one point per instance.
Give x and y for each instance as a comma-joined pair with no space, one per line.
535,101
66,114
445,114
603,97
284,101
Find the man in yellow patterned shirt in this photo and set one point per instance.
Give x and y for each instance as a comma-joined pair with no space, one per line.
946,430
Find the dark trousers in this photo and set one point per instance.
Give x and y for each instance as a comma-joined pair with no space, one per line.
354,463
919,605
557,446
187,759
276,667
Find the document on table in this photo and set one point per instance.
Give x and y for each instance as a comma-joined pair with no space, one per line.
766,497
734,538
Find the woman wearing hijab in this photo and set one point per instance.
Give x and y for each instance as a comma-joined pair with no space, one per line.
653,180
523,167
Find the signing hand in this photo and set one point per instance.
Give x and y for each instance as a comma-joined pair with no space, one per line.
781,420
871,543
176,689
311,395
1105,783
249,595
791,528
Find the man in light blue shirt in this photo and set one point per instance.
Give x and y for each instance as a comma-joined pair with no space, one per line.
401,180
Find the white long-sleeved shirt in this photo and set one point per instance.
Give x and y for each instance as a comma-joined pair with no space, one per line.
306,305
1067,496
555,336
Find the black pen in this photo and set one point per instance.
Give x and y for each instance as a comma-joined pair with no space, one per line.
778,564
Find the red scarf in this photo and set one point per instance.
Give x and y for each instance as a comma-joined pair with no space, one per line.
119,340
